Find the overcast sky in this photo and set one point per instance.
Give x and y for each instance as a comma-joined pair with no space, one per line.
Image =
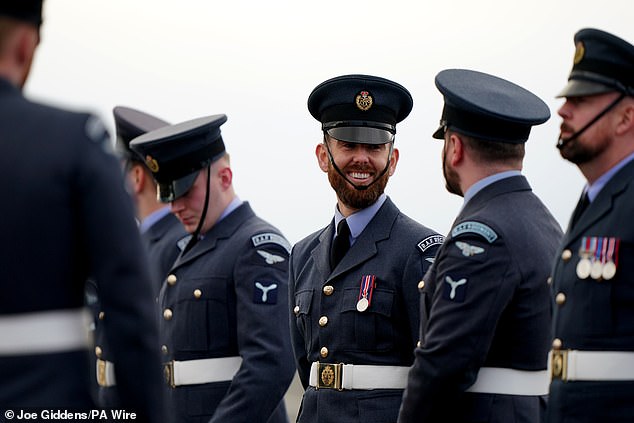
257,62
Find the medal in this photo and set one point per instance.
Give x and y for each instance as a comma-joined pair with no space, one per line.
362,304
597,261
365,292
584,267
609,269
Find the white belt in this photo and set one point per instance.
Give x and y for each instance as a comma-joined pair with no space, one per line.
592,365
498,380
45,332
105,373
352,376
206,370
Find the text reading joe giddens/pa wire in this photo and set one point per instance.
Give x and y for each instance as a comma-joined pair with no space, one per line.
110,415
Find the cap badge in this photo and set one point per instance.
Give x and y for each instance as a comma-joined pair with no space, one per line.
580,50
364,101
151,163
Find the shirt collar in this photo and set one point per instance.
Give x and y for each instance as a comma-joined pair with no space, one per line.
594,189
153,217
484,182
234,204
359,220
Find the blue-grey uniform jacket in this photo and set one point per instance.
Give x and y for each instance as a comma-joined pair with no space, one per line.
395,250
227,297
161,242
485,303
596,314
69,217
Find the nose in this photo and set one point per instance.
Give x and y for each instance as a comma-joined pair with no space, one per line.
361,154
564,110
176,206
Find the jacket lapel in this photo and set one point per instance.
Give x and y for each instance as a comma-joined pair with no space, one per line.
603,203
378,229
219,231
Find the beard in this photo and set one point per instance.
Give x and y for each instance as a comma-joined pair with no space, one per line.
578,152
352,197
452,179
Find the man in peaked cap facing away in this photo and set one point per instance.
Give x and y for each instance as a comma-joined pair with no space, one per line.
70,219
485,301
224,319
353,284
160,232
593,323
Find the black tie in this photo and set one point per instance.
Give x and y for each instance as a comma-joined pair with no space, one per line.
341,244
583,204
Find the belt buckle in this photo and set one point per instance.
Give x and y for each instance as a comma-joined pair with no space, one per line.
101,372
329,376
168,371
559,365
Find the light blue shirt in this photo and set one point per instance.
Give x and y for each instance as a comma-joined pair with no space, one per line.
234,204
153,218
359,220
594,189
485,182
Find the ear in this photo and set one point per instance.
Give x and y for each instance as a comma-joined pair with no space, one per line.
226,177
456,149
322,157
136,178
393,161
625,123
27,41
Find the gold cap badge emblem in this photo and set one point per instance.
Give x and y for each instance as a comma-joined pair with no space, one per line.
580,50
364,101
151,163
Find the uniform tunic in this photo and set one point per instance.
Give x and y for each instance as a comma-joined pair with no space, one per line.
327,327
68,217
485,303
596,314
227,297
160,240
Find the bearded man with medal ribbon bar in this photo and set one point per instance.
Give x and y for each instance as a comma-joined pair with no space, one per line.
592,357
353,284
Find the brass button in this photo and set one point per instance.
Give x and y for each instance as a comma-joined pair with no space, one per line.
557,344
418,344
323,321
198,293
102,315
171,279
566,255
296,310
328,289
164,349
323,352
167,314
560,298
421,284
98,351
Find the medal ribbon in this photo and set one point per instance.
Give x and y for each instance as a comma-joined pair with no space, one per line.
594,251
367,287
613,251
584,251
605,242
